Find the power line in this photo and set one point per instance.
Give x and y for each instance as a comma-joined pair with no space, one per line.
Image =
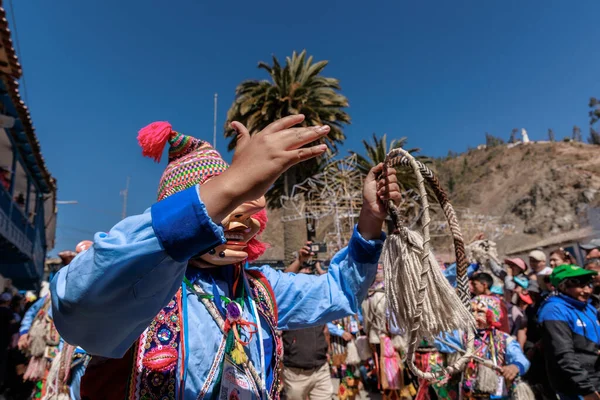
18,46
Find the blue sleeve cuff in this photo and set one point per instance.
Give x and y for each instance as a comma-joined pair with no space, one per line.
365,251
183,227
23,332
522,369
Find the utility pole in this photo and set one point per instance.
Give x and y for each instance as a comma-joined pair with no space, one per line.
215,125
125,193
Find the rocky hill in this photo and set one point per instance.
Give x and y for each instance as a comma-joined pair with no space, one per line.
537,189
524,193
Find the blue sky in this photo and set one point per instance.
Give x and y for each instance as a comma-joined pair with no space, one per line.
441,73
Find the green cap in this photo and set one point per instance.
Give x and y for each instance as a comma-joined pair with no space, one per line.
567,271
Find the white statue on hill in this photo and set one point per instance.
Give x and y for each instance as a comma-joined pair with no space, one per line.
524,134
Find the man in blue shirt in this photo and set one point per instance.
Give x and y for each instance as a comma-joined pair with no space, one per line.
571,335
165,299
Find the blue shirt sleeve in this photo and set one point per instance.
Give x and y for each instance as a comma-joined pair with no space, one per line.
109,293
30,316
454,338
393,323
515,356
334,329
450,274
471,269
308,300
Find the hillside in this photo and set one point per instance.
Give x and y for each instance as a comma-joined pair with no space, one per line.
528,192
539,189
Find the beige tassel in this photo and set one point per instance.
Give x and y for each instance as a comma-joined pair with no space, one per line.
352,356
363,347
37,338
522,391
400,344
487,380
442,309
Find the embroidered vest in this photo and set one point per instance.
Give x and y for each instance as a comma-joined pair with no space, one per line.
491,347
151,363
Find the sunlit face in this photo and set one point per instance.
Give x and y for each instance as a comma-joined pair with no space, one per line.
594,253
556,260
536,265
239,228
579,289
478,288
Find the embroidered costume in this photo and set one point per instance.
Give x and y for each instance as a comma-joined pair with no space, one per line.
165,329
490,344
55,366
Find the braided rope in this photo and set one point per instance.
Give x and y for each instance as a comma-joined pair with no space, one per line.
400,157
462,263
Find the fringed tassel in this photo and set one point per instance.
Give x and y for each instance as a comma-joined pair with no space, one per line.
352,356
487,380
36,369
522,391
363,347
53,383
153,138
37,338
442,309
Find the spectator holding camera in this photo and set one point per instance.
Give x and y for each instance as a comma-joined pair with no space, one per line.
304,262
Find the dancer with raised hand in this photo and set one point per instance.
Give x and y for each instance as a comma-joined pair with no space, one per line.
167,296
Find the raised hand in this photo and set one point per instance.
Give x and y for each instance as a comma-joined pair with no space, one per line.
304,254
258,161
377,191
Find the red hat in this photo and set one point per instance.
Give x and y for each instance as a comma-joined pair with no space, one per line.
526,298
517,262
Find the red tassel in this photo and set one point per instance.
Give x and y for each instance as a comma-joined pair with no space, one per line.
153,138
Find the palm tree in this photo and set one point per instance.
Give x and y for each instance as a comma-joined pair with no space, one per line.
376,153
296,88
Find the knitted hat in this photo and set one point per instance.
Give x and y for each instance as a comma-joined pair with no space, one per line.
492,304
191,161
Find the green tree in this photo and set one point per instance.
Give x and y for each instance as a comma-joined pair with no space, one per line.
376,151
491,140
551,135
594,137
451,184
594,113
295,88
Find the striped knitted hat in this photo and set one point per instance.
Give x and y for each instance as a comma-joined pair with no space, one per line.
191,161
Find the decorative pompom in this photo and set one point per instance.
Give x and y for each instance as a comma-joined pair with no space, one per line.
153,138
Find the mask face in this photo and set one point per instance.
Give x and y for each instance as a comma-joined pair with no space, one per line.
239,228
480,313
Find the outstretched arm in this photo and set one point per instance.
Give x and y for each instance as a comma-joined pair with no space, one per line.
109,294
307,300
106,297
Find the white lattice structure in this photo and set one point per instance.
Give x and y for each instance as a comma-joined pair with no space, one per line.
337,193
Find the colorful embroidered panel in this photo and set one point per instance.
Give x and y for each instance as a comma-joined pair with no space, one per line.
154,373
157,352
